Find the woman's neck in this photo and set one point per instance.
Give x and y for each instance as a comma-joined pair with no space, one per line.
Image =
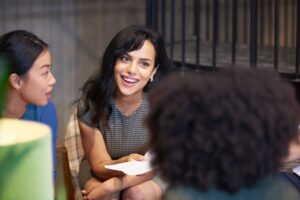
15,106
128,104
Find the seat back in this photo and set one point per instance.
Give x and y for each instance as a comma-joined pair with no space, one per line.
64,186
75,151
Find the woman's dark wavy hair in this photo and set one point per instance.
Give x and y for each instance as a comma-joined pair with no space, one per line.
21,48
225,130
99,89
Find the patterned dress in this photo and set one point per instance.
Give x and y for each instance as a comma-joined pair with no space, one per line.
127,134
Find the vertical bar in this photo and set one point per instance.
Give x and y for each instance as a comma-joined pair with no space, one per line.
245,21
172,32
149,13
270,20
286,23
276,34
288,19
163,18
298,38
154,14
215,31
262,23
253,33
195,16
207,20
234,30
293,14
197,30
226,21
183,33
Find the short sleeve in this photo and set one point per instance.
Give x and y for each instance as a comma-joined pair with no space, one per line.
86,112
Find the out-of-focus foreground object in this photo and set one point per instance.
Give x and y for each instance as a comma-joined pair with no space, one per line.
25,160
5,68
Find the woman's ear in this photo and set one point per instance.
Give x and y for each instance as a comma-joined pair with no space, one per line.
153,73
15,81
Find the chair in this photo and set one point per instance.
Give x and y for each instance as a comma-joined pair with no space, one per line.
75,152
64,185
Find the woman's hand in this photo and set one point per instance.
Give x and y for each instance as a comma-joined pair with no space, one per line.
101,190
134,157
294,150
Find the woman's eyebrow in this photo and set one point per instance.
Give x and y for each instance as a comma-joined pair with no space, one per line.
127,54
45,66
146,59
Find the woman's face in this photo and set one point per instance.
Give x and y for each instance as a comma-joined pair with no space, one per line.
37,85
134,69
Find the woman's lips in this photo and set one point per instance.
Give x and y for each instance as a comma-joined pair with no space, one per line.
128,81
49,95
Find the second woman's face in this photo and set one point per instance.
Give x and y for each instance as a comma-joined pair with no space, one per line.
134,69
38,84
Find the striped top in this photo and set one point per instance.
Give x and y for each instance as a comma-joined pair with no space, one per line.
127,134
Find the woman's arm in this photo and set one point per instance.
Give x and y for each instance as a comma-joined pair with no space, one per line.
97,155
294,150
129,181
96,190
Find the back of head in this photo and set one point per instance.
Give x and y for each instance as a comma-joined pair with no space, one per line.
225,130
21,48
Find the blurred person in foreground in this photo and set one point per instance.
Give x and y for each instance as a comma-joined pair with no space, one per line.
223,135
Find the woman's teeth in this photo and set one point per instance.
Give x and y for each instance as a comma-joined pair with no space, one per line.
130,80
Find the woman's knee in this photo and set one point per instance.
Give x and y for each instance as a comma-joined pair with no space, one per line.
145,191
91,183
133,193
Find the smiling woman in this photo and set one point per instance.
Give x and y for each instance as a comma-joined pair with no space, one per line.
30,82
132,73
111,112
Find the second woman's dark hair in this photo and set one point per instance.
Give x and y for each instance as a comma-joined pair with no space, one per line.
21,48
99,89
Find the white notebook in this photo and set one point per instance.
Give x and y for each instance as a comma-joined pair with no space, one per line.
133,167
296,170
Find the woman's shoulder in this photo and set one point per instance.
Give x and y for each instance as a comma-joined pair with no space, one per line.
40,113
47,110
49,107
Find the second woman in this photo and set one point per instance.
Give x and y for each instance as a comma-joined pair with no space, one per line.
111,112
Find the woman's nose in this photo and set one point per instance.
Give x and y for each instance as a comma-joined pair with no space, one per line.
52,79
132,67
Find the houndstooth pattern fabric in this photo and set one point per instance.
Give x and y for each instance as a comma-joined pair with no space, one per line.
127,134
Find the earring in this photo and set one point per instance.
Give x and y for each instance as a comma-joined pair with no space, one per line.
151,79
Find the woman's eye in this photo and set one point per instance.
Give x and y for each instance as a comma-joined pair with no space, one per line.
145,64
124,59
45,73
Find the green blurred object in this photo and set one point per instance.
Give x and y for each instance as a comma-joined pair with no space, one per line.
5,69
26,161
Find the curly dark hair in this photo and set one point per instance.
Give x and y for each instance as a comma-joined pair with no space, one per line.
226,129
